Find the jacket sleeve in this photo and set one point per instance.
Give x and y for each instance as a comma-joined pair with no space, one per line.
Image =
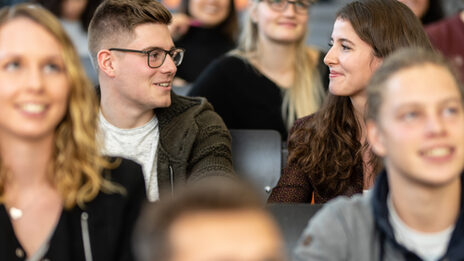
293,186
326,236
211,153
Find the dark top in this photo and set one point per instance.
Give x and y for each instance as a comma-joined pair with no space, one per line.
448,37
109,218
202,46
296,186
243,97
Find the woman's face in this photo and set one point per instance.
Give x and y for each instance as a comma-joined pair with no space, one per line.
34,87
209,13
72,9
351,61
284,26
418,7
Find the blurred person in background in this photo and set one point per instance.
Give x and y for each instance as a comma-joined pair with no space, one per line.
447,36
272,77
206,29
75,17
428,11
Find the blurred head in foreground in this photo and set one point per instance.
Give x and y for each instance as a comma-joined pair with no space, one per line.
211,220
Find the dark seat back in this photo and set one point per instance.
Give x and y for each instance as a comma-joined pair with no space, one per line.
257,157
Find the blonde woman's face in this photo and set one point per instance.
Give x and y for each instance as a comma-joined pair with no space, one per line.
284,26
34,88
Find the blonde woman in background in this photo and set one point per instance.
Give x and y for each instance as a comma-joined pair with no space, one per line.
55,203
272,78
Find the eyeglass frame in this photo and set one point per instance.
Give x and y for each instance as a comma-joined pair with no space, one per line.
287,2
147,53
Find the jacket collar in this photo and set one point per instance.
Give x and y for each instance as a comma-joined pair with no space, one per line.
455,249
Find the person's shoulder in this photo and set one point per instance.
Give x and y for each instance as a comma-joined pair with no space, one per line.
350,216
230,61
440,29
184,103
301,122
356,208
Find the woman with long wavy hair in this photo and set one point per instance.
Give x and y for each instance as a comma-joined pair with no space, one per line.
328,152
59,198
272,78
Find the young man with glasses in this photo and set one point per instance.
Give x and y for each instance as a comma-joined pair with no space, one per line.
176,139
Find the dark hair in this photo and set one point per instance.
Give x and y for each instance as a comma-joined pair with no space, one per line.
401,60
151,237
229,27
55,6
327,147
433,13
114,19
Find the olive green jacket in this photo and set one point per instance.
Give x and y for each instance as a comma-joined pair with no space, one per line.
194,143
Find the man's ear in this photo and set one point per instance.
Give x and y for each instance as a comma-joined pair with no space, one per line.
106,62
375,138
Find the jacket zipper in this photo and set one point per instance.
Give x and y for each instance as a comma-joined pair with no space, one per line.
171,176
85,236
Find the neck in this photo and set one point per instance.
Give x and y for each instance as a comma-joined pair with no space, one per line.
359,107
122,113
424,208
26,161
461,14
276,61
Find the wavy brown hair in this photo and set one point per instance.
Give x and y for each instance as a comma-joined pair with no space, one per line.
327,148
75,170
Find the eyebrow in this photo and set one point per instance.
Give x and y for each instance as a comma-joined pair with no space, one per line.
345,40
150,48
415,103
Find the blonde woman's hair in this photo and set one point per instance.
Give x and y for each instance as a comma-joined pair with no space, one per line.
306,94
75,170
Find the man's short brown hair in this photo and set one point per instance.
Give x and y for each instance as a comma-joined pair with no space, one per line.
114,21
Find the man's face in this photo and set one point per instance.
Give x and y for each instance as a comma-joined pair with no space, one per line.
241,235
420,130
137,85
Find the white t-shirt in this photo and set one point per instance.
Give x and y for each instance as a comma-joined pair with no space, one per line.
428,246
138,144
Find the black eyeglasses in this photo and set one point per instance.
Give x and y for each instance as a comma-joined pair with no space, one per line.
156,56
301,6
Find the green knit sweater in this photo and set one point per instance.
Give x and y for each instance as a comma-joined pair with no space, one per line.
194,143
